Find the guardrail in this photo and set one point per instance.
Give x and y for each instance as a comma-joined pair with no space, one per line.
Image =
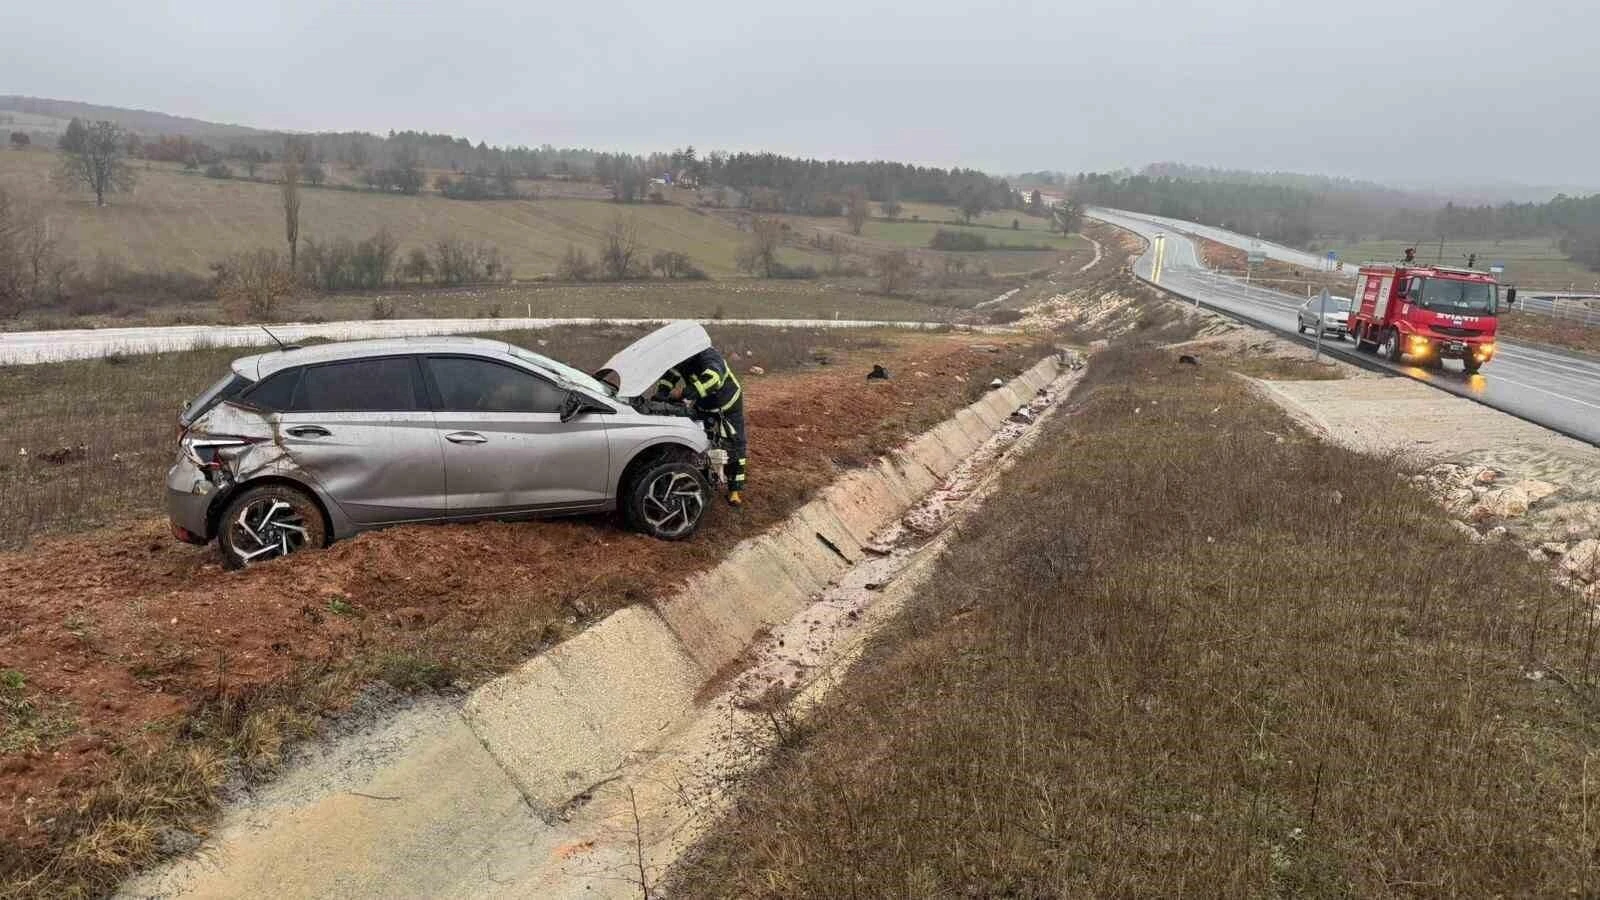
1581,308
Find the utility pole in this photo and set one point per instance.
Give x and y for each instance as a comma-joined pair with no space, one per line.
1440,259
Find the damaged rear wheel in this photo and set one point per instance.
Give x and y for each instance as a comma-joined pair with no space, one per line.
667,500
268,522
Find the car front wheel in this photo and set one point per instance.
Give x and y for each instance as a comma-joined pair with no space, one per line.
268,522
667,500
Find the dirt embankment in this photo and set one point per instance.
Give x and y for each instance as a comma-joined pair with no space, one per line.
1286,277
143,667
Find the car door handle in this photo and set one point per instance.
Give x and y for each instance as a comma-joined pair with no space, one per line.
466,437
306,431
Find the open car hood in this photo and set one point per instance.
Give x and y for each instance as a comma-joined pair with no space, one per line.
636,368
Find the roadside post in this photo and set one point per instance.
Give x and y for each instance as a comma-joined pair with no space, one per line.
1322,323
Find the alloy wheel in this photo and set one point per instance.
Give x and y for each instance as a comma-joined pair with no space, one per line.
673,503
266,529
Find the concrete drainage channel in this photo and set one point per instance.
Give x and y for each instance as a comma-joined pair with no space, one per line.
588,769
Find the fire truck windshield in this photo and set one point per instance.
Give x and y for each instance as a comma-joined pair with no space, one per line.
1449,296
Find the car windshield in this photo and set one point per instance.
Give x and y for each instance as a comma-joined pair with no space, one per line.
1448,295
564,372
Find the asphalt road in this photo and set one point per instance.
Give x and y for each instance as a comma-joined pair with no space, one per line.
1243,242
1558,390
25,347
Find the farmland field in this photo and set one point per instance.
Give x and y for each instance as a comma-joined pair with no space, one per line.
185,221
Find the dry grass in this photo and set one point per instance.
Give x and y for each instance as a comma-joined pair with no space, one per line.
1538,329
183,221
1229,660
122,412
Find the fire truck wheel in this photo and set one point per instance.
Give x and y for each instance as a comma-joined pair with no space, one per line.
1355,337
1390,349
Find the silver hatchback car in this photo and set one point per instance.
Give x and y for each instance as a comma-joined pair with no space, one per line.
301,446
1335,320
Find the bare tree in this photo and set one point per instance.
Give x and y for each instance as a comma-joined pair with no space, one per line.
894,270
891,209
857,210
618,246
575,265
760,254
251,285
294,157
93,157
417,265
20,139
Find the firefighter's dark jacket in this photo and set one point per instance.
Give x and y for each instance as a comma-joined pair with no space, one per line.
706,381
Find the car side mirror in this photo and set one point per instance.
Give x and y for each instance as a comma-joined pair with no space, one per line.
578,403
1511,296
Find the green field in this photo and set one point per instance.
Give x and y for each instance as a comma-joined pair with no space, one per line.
1536,263
917,234
936,212
184,221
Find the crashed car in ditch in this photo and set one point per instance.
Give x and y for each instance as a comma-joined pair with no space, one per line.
301,446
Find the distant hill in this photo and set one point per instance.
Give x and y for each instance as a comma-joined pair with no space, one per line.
51,116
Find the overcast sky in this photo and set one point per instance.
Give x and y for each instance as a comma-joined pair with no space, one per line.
1471,89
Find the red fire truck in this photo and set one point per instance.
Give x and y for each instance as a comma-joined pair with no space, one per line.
1427,313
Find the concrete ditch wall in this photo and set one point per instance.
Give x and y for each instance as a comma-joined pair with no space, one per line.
570,718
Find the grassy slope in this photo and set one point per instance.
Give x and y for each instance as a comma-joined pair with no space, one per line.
1176,685
177,220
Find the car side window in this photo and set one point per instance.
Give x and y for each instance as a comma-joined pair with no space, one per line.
275,393
467,384
359,385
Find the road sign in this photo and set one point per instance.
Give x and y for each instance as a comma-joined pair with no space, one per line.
1256,257
1497,268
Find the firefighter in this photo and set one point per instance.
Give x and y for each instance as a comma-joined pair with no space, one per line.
706,381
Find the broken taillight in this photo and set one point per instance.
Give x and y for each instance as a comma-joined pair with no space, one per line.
203,450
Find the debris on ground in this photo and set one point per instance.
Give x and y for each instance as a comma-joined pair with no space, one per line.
878,373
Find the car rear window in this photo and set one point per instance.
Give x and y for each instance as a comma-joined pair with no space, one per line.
274,393
360,385
225,388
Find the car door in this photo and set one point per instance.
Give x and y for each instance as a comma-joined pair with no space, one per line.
363,430
505,446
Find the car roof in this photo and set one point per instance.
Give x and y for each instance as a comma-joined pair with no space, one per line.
261,365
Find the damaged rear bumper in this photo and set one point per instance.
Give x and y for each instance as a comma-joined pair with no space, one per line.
189,497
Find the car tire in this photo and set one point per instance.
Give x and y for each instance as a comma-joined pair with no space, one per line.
1300,327
268,522
667,500
1391,348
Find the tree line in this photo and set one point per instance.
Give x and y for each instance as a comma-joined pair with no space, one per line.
1300,210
